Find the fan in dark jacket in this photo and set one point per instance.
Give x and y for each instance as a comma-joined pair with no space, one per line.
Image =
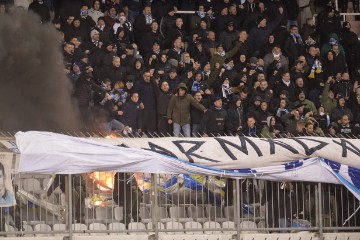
213,122
131,114
114,72
41,9
235,117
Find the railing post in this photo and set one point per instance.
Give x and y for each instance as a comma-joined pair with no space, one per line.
238,208
320,208
154,204
70,206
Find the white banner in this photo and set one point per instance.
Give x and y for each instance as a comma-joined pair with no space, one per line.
246,152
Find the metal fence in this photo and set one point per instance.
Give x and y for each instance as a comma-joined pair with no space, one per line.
144,204
155,205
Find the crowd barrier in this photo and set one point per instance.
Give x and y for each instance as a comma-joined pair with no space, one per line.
166,206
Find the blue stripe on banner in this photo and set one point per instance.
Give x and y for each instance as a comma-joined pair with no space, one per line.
293,165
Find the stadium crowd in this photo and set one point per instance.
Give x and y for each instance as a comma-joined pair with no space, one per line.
247,67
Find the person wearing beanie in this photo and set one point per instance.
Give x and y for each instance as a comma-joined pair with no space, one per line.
178,111
258,35
227,37
167,22
307,103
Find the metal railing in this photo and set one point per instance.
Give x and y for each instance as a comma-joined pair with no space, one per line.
153,205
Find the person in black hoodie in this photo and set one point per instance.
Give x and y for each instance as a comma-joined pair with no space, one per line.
235,118
41,9
213,122
196,115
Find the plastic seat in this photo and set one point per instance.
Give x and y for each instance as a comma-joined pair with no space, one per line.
9,229
175,226
28,228
117,226
179,214
59,227
162,214
43,228
197,213
119,213
229,212
262,224
229,225
103,214
137,226
79,227
212,224
97,227
193,225
160,226
214,213
248,224
32,185
145,216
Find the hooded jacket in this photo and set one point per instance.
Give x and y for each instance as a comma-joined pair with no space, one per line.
179,107
235,117
213,122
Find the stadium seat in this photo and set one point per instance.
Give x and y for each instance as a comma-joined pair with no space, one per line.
104,214
97,227
119,213
174,226
28,228
152,231
59,227
10,229
197,213
162,214
247,224
229,227
79,227
214,213
212,224
137,226
145,216
32,185
262,224
230,212
179,214
193,225
43,228
117,226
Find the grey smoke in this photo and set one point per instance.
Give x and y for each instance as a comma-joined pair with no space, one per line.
35,94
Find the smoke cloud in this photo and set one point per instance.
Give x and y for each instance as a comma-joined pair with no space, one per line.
35,94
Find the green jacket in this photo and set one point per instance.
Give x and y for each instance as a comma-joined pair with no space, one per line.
216,58
308,104
329,104
179,107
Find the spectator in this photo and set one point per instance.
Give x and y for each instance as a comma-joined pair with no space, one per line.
213,121
163,96
344,86
251,129
199,16
142,22
259,35
275,60
235,117
227,37
178,112
41,9
196,115
220,55
149,39
294,45
147,102
262,114
115,72
290,120
328,100
340,110
345,128
285,84
95,12
323,118
272,129
167,22
132,9
177,32
131,115
307,103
